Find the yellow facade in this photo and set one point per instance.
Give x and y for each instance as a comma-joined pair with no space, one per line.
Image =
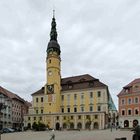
71,104
53,78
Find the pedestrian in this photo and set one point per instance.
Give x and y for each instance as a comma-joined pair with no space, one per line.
111,127
136,129
117,125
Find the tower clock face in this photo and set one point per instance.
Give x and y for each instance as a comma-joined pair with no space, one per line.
50,89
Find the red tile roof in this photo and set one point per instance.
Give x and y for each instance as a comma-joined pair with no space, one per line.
39,92
128,86
76,82
133,82
10,94
77,79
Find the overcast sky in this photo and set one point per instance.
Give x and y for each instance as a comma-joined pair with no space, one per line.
98,37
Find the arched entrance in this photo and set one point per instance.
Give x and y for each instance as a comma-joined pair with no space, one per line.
71,125
64,125
126,123
57,126
135,122
87,125
79,125
96,125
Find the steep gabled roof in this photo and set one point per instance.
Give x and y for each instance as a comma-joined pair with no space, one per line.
128,86
10,94
39,92
80,82
132,83
77,79
4,91
76,83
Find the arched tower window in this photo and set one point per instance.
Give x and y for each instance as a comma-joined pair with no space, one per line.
50,61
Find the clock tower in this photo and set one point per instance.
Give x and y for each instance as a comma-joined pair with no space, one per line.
53,72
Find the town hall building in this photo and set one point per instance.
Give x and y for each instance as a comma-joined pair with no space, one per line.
78,102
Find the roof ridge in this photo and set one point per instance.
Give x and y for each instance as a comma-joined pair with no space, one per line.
77,76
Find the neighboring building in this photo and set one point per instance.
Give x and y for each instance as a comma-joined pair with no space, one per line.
78,102
129,104
5,109
15,108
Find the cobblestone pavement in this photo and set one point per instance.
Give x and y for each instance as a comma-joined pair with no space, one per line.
69,135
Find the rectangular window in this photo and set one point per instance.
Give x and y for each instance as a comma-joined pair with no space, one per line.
79,117
99,93
62,110
75,109
129,112
136,112
99,108
41,111
123,112
96,116
123,101
82,96
57,117
68,99
29,118
68,109
34,118
91,94
71,117
37,100
75,96
62,97
136,100
129,101
82,109
40,118
41,99
87,117
90,108
36,111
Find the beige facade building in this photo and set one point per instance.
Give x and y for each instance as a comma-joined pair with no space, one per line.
12,109
78,102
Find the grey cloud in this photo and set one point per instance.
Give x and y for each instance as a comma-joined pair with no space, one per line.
99,37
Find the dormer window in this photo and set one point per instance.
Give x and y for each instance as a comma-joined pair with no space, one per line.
126,90
136,86
70,86
91,84
68,82
82,80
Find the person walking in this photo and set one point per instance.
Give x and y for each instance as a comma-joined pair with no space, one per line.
136,129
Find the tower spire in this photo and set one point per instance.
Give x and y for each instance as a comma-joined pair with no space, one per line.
53,13
53,33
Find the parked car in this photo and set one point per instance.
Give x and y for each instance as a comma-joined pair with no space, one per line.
7,130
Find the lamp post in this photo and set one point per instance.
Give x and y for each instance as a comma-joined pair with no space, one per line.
3,105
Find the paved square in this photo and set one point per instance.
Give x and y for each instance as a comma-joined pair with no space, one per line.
69,135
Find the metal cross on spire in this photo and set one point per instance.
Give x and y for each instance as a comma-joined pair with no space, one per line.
53,13
53,33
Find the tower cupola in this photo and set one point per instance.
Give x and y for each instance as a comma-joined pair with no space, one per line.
53,44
